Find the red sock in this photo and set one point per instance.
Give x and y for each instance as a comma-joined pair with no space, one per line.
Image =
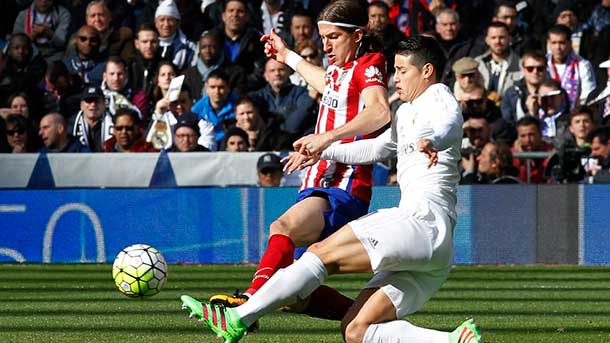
328,303
279,254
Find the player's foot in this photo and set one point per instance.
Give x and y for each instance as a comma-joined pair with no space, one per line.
223,321
234,300
467,332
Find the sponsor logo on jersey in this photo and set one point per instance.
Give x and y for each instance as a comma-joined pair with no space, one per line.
330,101
373,74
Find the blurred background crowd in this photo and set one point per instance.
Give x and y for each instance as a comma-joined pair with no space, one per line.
96,75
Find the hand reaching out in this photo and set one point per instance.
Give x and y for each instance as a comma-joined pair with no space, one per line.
275,47
312,144
297,161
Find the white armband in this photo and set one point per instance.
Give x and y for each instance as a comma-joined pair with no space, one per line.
292,59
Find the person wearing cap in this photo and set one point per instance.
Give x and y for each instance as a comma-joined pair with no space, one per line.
236,140
599,99
520,99
186,134
93,124
173,43
269,170
499,66
467,76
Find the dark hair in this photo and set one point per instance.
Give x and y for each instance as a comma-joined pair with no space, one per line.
503,156
115,60
126,111
353,12
580,110
22,36
213,35
246,99
503,3
380,4
424,50
16,95
527,121
549,82
497,25
188,90
301,12
146,27
226,2
535,54
156,93
234,131
602,133
559,29
56,70
17,120
218,74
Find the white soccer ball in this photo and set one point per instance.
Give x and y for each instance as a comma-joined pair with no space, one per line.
139,271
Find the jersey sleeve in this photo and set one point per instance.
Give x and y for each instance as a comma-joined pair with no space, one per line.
371,71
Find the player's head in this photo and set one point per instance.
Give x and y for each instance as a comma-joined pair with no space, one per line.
342,27
419,63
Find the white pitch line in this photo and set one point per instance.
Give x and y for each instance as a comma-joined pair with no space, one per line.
12,208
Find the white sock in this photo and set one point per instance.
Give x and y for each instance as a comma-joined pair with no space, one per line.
401,331
296,281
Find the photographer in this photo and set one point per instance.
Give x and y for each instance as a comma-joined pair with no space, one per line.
600,150
477,133
494,165
475,104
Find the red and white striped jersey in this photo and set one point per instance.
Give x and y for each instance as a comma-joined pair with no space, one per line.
341,101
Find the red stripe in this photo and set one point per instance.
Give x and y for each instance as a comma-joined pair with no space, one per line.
223,320
28,21
462,334
205,312
214,318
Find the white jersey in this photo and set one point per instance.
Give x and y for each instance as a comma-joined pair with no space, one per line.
434,115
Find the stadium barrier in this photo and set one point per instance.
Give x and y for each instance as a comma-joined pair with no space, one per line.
497,224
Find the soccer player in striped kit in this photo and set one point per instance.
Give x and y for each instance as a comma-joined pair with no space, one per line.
354,106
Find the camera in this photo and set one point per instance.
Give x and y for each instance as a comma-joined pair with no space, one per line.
470,150
568,166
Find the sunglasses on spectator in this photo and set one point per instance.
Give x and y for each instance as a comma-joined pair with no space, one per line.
471,75
90,39
19,132
531,69
308,56
90,100
126,128
475,102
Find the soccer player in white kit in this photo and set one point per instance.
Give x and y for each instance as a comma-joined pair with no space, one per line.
409,248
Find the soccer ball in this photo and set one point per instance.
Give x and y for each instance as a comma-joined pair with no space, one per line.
139,271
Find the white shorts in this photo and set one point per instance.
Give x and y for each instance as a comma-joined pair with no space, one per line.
411,251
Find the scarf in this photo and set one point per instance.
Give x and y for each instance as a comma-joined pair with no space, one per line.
205,70
33,17
570,80
81,129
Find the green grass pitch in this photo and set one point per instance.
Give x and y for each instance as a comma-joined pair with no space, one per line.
78,303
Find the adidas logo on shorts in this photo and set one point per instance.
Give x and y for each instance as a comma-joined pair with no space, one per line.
373,242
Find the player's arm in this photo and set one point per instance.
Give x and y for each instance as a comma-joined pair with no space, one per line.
375,115
446,125
275,47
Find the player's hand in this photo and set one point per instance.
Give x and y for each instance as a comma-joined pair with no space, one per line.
313,144
297,161
425,146
275,47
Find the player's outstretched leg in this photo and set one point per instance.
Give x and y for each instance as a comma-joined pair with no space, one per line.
223,321
234,300
467,332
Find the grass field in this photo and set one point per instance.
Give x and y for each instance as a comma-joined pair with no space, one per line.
78,303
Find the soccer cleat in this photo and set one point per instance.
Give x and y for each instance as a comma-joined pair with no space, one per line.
467,332
223,321
234,300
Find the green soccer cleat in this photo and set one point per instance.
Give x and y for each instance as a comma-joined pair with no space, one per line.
223,321
467,332
234,300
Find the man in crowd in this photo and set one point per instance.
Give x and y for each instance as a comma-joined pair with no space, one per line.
467,76
186,134
529,139
600,149
93,124
454,45
301,28
146,59
494,166
54,134
475,104
269,170
263,135
126,136
117,91
552,108
86,61
113,41
174,45
379,21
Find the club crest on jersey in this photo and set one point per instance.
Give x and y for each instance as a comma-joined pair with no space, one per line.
373,74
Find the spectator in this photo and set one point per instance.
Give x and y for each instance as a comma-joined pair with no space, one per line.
493,166
241,43
18,103
211,57
506,13
499,66
600,149
600,18
301,28
262,135
477,133
61,90
236,140
580,124
281,98
93,124
467,76
126,136
453,44
166,71
113,40
86,61
475,104
600,98
19,134
46,23
529,139
117,91
54,133
310,51
217,106
582,40
175,47
520,99
553,108
186,135
575,74
21,69
269,170
275,14
145,62
379,21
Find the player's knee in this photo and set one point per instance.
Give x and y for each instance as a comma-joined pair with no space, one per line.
280,226
354,331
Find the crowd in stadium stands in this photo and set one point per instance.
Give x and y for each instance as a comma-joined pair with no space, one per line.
96,75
